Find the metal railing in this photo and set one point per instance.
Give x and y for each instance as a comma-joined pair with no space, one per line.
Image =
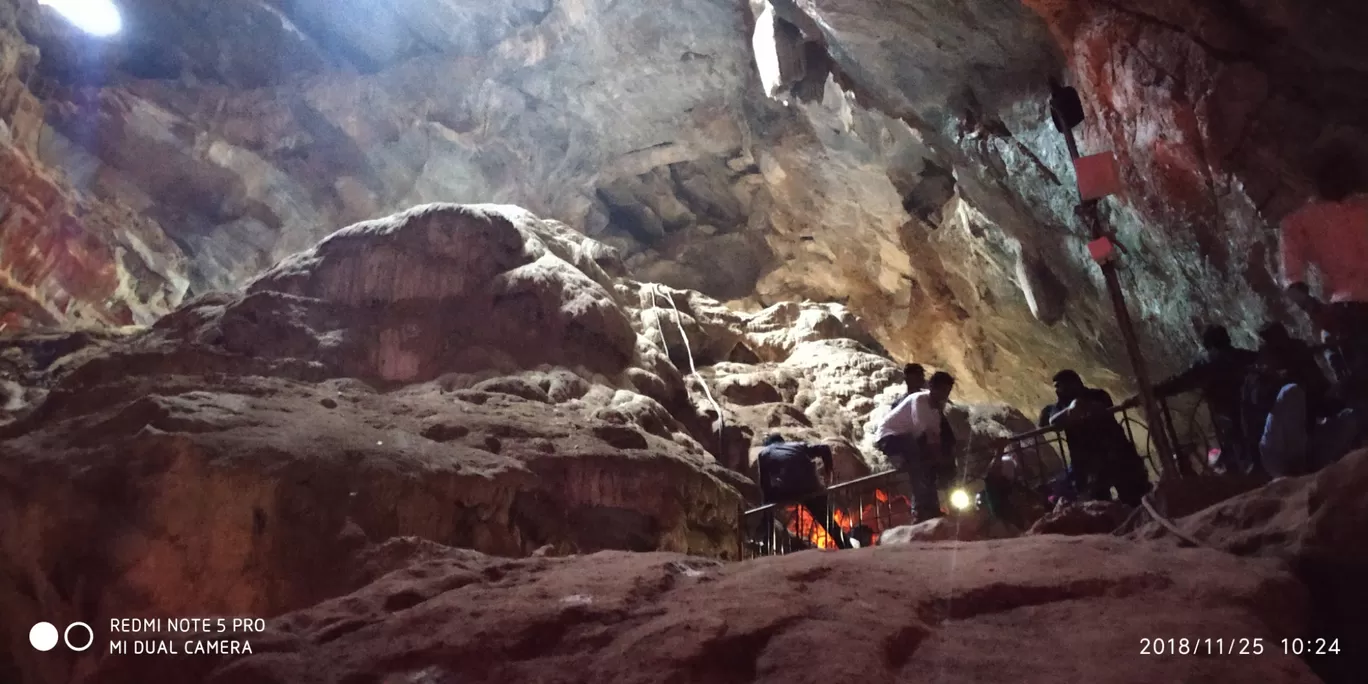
864,508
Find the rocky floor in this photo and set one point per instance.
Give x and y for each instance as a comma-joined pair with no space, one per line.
1040,609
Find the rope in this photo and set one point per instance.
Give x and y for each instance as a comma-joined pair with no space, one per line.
657,289
1129,524
1168,524
1147,506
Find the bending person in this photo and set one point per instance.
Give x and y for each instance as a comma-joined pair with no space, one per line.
788,474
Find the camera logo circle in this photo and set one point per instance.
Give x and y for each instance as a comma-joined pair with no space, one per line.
90,635
43,636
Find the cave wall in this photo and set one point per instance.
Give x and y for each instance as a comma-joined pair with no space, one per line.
1213,109
890,155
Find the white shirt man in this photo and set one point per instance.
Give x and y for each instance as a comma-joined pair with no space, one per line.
917,420
916,415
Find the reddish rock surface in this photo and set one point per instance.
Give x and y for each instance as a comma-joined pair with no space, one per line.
1316,524
64,261
67,258
1042,609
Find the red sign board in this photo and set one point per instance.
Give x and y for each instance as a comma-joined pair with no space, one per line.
1098,176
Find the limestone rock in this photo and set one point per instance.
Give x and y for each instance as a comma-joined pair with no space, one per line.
67,261
414,349
962,528
255,500
31,364
1088,517
480,276
777,331
910,172
808,617
371,387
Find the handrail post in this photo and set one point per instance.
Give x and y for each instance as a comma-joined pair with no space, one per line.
742,531
1088,213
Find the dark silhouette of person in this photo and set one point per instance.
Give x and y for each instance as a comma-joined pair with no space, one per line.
916,438
1000,487
1218,374
1101,454
788,474
1285,397
914,375
1331,233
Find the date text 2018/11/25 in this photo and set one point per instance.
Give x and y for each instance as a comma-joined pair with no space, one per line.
1241,646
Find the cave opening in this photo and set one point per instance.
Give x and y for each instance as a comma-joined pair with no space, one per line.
100,18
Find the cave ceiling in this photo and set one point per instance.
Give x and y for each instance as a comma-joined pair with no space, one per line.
892,155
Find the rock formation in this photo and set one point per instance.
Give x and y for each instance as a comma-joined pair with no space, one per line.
470,375
772,152
1314,524
1088,517
750,215
1045,608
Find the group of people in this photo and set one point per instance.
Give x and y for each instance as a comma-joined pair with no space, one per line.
1276,410
916,436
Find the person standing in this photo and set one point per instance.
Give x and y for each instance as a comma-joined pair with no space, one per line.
914,375
1100,454
913,436
1219,374
1292,417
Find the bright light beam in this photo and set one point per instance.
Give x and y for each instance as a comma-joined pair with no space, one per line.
96,17
960,500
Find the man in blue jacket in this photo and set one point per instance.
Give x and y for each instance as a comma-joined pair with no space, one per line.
788,474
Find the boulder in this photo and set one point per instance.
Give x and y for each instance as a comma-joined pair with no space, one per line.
1044,608
946,528
424,288
777,330
1088,517
30,364
1316,524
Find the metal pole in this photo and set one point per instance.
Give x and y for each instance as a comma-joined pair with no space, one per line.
1180,452
1088,212
742,531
